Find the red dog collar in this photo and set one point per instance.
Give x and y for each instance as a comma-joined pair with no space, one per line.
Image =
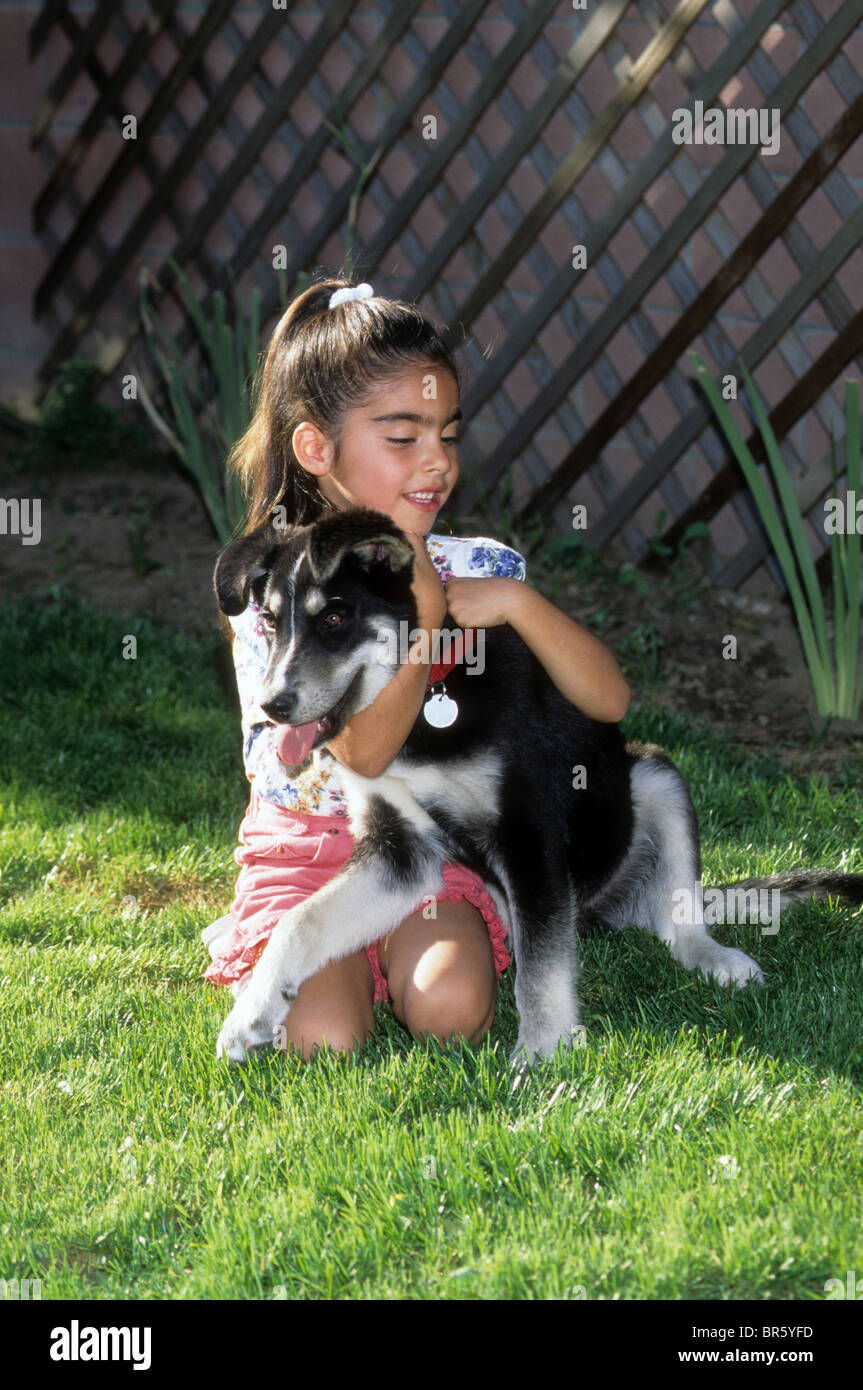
440,669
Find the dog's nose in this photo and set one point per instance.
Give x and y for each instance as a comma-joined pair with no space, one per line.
281,708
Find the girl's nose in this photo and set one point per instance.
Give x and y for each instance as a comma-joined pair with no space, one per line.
438,459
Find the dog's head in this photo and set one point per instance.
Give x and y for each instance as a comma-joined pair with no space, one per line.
332,596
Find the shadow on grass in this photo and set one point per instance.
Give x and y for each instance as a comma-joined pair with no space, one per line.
86,723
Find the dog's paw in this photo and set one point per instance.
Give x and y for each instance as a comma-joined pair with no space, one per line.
237,1041
530,1050
231,1044
253,1023
731,967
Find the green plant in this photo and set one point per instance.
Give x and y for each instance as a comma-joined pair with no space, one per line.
845,560
686,585
205,430
641,652
839,695
136,534
659,546
76,431
366,169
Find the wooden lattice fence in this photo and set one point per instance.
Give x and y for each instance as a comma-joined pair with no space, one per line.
554,129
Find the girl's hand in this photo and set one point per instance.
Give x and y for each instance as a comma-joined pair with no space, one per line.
483,602
427,587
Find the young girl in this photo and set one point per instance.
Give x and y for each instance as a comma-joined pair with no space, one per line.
358,407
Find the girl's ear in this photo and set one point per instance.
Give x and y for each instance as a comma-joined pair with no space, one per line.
242,561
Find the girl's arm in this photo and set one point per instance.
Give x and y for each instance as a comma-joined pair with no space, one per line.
582,667
369,742
371,739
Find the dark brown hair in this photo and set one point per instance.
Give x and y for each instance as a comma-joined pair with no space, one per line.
319,365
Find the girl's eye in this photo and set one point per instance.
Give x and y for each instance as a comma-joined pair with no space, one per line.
450,439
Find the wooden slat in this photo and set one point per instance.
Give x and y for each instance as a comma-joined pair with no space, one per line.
837,188
701,306
86,38
602,232
170,181
803,253
659,259
432,170
111,92
310,157
131,151
596,33
766,336
285,95
618,411
111,100
43,24
575,165
334,215
637,436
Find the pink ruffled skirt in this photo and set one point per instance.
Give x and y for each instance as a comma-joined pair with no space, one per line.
286,855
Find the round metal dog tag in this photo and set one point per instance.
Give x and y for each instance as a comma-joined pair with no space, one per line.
440,711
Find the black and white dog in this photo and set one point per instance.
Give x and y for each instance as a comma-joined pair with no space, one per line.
570,828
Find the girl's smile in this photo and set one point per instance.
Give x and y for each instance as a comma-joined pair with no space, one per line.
426,501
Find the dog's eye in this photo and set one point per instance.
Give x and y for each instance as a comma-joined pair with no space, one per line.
269,621
332,619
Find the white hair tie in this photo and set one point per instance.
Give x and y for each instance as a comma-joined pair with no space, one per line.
349,292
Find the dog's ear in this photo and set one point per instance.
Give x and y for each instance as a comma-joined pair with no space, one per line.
242,561
370,536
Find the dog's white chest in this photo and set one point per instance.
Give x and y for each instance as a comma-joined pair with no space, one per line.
466,789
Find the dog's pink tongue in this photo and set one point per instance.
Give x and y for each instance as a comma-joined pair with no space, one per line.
295,744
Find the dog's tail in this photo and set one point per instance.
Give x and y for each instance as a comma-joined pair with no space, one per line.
803,883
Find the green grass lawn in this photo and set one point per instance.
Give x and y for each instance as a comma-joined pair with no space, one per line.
702,1145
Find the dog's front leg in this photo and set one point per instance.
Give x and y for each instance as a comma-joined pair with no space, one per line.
381,884
545,984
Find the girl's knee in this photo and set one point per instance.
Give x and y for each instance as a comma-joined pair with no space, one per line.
342,1032
335,1007
460,1005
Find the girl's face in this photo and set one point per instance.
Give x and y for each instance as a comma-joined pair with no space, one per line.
398,450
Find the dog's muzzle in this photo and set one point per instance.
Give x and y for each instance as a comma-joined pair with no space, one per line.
299,740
